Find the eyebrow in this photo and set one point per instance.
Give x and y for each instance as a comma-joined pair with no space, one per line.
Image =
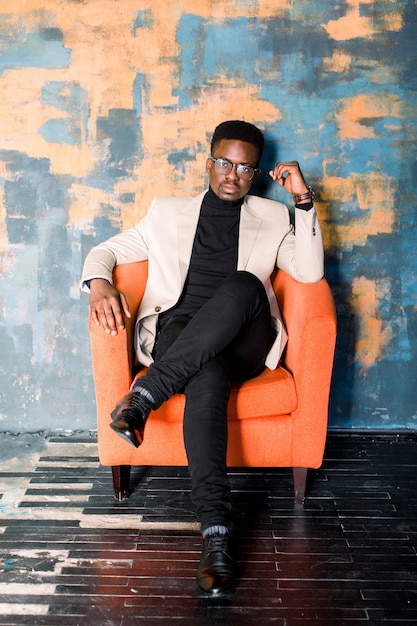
233,163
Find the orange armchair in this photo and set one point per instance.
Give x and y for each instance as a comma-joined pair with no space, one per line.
278,419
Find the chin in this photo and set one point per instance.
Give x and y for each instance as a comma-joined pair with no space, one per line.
225,195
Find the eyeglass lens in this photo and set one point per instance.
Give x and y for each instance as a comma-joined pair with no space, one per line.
223,166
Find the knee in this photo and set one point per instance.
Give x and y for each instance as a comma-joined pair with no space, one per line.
246,282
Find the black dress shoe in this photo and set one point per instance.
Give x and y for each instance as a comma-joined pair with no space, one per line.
216,569
129,417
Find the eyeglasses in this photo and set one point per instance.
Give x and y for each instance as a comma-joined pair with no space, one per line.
223,166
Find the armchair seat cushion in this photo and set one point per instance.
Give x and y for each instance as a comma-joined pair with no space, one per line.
271,393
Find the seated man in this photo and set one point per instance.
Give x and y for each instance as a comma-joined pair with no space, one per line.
208,316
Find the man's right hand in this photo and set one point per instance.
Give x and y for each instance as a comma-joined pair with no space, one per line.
107,306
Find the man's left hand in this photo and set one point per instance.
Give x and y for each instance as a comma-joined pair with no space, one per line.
289,175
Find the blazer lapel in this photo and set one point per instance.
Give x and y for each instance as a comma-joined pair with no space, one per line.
250,224
187,220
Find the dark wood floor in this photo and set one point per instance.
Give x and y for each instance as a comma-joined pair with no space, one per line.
71,555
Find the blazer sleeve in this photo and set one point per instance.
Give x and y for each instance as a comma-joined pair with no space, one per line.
300,253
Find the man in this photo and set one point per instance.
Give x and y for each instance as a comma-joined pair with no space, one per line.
208,316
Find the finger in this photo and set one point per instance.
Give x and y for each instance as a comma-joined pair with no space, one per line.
276,174
282,174
283,170
292,177
118,315
125,305
94,317
107,319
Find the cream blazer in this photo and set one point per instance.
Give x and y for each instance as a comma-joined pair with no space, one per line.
165,238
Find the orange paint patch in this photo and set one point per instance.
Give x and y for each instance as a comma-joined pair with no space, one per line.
354,25
338,62
86,204
355,116
371,334
349,27
374,194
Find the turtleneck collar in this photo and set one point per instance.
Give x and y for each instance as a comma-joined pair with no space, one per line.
215,202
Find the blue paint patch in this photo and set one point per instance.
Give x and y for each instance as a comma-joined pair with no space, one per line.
122,128
181,160
143,19
180,156
191,35
31,191
66,96
127,198
141,93
223,53
61,131
51,34
72,99
104,228
218,46
210,51
43,49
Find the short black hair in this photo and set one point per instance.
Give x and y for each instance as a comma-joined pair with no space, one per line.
239,130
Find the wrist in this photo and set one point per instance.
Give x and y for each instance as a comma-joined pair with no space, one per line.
305,197
91,280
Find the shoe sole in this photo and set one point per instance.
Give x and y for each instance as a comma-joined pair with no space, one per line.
126,437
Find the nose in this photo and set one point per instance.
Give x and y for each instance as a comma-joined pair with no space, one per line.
232,175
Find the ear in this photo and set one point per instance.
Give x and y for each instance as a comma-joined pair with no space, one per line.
209,164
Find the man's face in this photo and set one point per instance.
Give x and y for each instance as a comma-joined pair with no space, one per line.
230,186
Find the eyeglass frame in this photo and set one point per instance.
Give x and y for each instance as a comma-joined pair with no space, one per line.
236,165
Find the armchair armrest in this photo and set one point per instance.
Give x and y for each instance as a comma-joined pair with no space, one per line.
303,305
309,316
113,356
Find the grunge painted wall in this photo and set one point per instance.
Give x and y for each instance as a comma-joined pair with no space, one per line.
105,104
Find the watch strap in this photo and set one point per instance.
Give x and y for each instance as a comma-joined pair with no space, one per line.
308,195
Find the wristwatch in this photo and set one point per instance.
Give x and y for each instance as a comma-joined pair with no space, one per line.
309,195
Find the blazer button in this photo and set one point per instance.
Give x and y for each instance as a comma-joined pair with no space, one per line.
157,309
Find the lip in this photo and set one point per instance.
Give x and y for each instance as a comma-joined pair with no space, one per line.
229,188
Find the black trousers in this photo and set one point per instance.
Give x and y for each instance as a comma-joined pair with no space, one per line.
225,341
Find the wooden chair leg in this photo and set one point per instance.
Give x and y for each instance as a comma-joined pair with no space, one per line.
300,481
121,480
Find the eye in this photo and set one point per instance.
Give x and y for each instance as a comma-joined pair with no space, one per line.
223,163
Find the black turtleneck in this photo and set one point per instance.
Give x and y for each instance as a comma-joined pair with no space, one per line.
214,254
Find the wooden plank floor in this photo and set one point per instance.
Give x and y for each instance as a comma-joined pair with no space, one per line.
71,555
